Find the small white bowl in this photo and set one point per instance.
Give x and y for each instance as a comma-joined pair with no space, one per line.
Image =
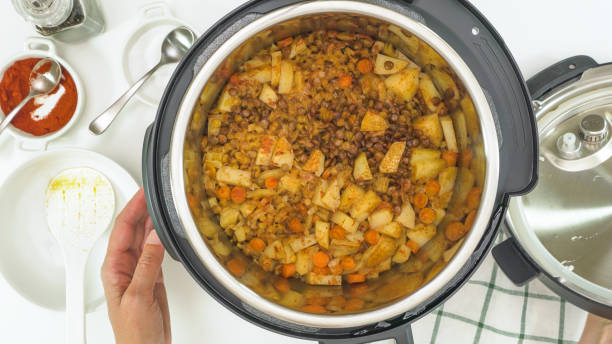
36,47
142,50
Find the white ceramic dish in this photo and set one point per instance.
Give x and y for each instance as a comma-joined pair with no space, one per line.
143,48
40,48
30,257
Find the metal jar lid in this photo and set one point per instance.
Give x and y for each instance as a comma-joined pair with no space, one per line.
565,224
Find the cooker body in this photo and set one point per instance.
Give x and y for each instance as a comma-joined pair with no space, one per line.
480,47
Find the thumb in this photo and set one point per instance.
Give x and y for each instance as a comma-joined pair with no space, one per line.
148,268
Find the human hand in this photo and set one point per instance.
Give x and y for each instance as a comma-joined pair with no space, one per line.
597,331
132,278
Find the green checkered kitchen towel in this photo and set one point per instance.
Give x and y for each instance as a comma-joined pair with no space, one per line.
490,309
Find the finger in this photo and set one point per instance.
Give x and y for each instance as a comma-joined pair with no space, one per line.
148,267
162,301
122,236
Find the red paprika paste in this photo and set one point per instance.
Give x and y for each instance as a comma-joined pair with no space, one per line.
41,115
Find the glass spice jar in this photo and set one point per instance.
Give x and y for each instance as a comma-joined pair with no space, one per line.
64,20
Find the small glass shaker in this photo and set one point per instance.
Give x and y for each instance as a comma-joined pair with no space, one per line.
64,20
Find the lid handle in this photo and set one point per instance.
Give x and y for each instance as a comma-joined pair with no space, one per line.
513,262
559,73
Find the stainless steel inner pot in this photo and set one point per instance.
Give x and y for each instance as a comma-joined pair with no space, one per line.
212,73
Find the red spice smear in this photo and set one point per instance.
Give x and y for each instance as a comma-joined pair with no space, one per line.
15,86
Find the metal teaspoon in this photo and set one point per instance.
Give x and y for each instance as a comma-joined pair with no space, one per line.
174,47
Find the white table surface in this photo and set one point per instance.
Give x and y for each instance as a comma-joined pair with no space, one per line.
537,32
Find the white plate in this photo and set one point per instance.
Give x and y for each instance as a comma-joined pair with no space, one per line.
30,257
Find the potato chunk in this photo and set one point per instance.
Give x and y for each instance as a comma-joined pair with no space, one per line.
421,234
268,96
316,279
447,179
430,94
361,171
290,183
300,243
365,205
344,221
226,101
275,250
376,254
404,84
390,162
331,196
392,229
386,65
234,176
428,169
407,217
276,67
286,77
264,154
401,255
373,122
423,154
322,234
228,217
262,75
283,154
430,126
316,163
449,133
380,218
350,194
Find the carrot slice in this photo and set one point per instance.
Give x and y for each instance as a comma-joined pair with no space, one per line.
454,230
337,232
321,271
355,278
271,182
364,66
257,244
317,300
432,188
473,198
345,81
420,200
320,259
348,263
450,158
285,42
238,194
469,220
371,237
354,304
466,157
223,192
288,270
282,285
236,267
427,215
296,225
413,246
358,289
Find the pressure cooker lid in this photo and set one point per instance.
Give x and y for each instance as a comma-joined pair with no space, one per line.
565,223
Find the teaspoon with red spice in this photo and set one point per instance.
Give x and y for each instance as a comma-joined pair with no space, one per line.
44,77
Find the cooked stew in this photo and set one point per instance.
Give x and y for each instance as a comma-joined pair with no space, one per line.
331,157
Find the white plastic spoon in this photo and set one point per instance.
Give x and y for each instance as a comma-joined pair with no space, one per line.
80,207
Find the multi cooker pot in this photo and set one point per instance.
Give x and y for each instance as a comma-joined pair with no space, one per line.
456,31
